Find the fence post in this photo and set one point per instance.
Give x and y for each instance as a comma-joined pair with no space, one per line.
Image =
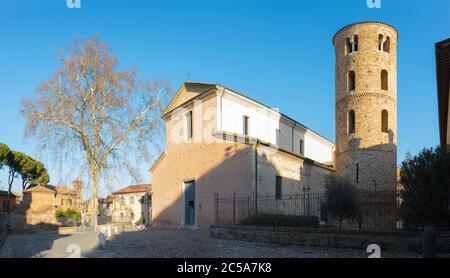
234,208
216,208
429,243
248,206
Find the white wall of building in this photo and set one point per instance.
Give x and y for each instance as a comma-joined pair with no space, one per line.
264,124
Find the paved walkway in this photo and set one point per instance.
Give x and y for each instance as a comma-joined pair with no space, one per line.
163,243
48,245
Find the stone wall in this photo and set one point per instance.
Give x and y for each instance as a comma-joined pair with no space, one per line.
19,222
3,227
391,241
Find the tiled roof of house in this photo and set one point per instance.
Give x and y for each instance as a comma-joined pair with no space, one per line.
40,188
135,189
64,189
5,193
60,189
17,194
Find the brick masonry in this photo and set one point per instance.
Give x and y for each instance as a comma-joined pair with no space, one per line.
374,151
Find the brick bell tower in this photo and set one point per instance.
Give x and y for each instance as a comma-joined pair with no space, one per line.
366,104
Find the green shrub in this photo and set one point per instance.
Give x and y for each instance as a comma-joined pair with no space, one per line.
141,220
425,179
341,198
59,213
282,220
69,217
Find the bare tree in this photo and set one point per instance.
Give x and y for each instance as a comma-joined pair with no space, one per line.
93,111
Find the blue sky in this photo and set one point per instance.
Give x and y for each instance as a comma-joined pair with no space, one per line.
278,52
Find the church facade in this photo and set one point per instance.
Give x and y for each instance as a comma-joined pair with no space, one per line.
220,142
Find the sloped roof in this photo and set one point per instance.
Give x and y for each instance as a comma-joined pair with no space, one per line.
188,86
135,189
40,188
17,194
5,193
203,88
64,189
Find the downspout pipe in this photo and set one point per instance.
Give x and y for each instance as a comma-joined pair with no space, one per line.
256,176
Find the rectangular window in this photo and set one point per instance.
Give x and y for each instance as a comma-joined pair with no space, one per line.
278,185
302,147
189,125
245,125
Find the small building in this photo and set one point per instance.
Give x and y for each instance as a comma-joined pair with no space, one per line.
40,203
443,87
41,198
4,200
132,203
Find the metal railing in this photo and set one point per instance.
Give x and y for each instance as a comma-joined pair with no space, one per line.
373,210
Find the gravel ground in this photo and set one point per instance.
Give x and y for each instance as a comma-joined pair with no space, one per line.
164,243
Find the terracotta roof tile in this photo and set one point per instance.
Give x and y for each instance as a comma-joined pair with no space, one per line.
135,188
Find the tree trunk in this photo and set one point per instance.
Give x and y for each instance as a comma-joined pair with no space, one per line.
94,198
10,183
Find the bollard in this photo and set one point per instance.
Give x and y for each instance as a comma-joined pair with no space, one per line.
102,240
429,243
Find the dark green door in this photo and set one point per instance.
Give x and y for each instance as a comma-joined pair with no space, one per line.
189,203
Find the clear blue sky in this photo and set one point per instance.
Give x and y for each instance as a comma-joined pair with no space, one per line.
279,53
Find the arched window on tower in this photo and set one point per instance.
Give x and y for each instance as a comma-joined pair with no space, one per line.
351,122
351,81
387,45
348,46
384,121
380,42
384,80
351,45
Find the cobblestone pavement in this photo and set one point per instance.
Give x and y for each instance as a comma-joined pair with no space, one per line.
48,245
165,243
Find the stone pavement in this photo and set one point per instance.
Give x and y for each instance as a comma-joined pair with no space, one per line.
163,243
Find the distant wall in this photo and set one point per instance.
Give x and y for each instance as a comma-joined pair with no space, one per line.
3,227
32,222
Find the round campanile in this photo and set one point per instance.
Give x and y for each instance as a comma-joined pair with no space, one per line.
366,104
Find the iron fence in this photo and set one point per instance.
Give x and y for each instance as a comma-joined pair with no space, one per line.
374,210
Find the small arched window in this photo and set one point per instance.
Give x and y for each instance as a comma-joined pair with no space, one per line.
384,121
384,80
351,81
387,44
351,45
351,122
348,46
380,42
